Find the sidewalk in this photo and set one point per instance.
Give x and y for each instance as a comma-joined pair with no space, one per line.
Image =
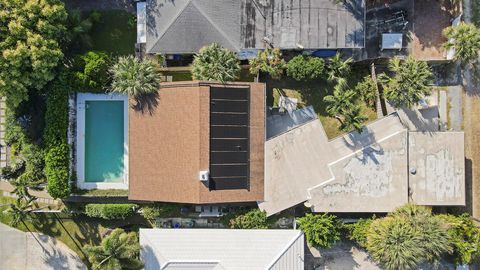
24,250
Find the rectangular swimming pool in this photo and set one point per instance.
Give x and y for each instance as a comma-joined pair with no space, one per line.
102,141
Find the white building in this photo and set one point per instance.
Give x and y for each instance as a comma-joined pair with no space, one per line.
221,249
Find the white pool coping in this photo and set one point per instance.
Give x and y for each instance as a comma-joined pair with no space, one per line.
80,138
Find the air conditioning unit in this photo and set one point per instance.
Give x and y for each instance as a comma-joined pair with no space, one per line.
203,176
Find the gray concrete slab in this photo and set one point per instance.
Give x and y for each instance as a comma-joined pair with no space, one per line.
442,110
455,112
439,161
20,250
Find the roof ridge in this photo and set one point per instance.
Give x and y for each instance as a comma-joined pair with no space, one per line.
215,26
284,250
180,11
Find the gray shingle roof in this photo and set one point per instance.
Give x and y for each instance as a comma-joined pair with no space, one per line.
184,26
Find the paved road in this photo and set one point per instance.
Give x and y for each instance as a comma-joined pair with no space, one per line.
25,251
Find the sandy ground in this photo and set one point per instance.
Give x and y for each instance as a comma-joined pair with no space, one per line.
20,250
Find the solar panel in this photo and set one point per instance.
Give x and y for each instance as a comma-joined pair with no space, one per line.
229,138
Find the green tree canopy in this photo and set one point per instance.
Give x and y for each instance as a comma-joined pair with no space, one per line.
118,251
30,35
305,68
135,77
321,230
91,71
465,39
465,237
214,63
409,83
407,237
269,61
253,219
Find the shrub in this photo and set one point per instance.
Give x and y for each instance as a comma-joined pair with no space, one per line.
407,237
321,230
358,231
269,61
135,77
214,63
110,211
92,71
159,210
305,68
57,152
253,219
465,237
57,171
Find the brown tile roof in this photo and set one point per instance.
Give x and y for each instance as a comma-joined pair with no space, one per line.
169,145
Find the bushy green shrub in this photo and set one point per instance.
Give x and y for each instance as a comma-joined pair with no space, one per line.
358,231
407,237
465,237
305,68
57,152
91,72
57,171
321,230
159,210
253,219
269,61
110,211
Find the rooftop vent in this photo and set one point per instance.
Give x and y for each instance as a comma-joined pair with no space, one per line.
203,176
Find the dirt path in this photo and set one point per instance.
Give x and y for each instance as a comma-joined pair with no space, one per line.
472,130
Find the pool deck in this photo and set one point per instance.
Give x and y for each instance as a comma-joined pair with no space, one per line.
82,98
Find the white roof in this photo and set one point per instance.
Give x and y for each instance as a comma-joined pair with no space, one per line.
217,249
392,41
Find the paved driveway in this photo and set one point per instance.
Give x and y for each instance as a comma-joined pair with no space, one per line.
20,250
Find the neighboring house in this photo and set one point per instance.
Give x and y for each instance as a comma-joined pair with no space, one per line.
222,249
378,170
184,26
199,143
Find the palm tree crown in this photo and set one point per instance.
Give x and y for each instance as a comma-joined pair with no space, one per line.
465,39
118,251
409,84
135,77
214,63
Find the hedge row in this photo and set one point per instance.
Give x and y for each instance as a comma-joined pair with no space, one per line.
110,211
57,157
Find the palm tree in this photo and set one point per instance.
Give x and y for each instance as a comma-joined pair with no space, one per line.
352,119
269,61
340,101
338,68
465,39
23,184
20,211
135,77
409,84
118,251
214,63
407,237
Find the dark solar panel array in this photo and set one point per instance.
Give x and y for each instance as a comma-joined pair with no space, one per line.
229,138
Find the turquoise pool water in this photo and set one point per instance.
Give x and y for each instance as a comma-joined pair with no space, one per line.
104,141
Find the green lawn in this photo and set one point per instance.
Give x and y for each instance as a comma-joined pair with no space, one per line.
115,33
312,93
476,12
74,231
